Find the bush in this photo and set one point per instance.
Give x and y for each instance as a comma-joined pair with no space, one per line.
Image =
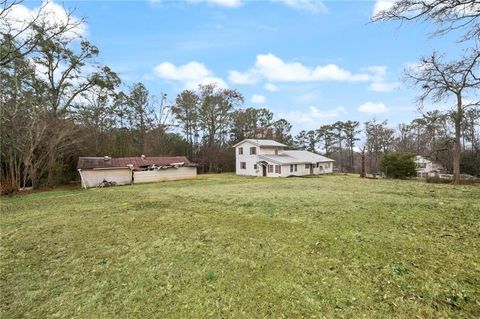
398,165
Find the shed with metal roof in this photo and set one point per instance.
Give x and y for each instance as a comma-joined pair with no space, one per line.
98,171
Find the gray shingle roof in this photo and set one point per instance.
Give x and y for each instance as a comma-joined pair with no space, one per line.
296,157
261,143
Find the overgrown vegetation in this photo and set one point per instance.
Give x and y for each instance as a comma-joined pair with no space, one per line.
398,165
228,246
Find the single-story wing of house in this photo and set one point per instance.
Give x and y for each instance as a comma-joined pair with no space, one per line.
259,157
133,170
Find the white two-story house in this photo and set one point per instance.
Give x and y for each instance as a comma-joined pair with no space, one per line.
255,157
426,167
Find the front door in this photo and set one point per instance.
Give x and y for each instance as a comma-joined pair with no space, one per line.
311,169
264,170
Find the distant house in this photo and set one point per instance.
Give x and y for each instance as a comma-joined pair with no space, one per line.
132,170
255,157
426,167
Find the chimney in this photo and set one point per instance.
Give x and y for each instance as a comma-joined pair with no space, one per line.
143,156
106,158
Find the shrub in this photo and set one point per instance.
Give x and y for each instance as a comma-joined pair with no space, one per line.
398,165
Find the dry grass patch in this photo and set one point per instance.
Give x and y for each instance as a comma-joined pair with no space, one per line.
228,246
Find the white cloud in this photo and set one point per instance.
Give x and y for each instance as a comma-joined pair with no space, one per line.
381,5
274,69
378,72
313,6
51,14
258,99
313,116
191,74
221,3
271,87
242,78
190,71
383,86
372,108
379,84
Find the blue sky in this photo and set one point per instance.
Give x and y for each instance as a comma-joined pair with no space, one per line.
310,62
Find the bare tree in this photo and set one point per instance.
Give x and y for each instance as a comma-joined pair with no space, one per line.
449,15
20,37
442,81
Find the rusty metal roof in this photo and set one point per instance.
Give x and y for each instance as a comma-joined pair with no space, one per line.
136,162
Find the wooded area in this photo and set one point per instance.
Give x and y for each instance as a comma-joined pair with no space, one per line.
58,103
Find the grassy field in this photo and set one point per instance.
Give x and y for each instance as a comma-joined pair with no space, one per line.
239,247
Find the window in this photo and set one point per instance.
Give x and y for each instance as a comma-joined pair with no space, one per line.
240,151
307,166
327,165
255,166
421,165
291,168
270,168
243,165
278,169
295,167
253,150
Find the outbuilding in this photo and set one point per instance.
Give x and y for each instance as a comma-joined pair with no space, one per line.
133,170
427,167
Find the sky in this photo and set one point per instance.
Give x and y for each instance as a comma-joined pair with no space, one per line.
310,62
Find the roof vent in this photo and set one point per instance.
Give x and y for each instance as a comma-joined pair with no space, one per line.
143,156
106,158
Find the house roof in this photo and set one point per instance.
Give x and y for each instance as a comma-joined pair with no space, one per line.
261,143
136,162
296,157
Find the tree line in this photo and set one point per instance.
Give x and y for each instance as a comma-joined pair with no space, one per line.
431,135
58,102
455,81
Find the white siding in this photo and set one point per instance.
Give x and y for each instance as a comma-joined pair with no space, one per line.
324,168
273,174
169,174
93,177
429,166
269,150
250,160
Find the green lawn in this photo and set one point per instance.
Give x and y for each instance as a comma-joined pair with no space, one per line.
239,247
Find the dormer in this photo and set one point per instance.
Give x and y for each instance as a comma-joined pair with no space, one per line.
258,147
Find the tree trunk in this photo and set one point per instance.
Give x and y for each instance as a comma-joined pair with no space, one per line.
362,163
457,145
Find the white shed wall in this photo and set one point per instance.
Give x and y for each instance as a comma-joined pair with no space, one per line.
93,177
169,174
